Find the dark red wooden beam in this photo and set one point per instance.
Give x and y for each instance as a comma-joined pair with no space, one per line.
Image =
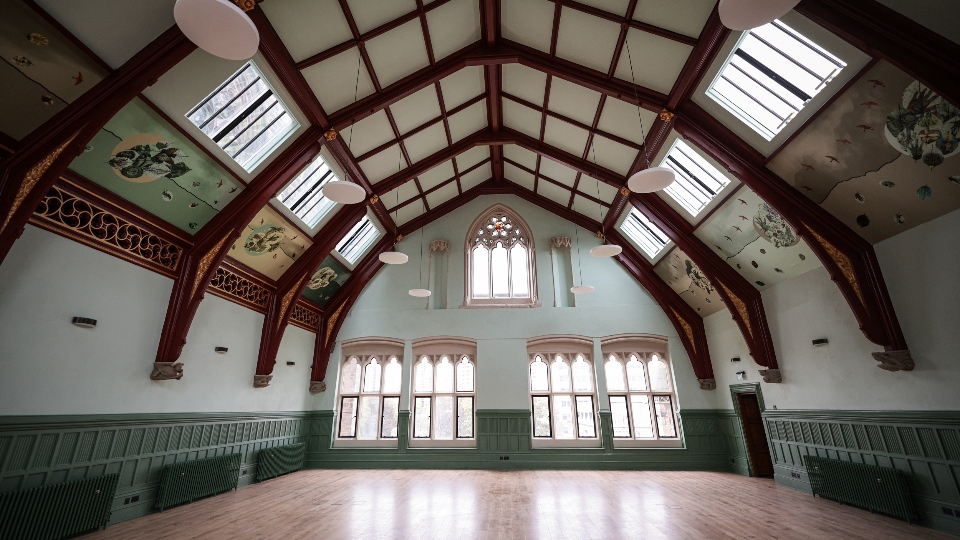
628,21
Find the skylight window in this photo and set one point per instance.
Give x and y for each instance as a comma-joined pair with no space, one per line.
356,242
304,195
644,233
697,183
244,117
771,75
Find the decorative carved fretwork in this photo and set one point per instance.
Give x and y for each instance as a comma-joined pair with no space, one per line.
399,238
78,219
707,384
317,386
561,241
439,245
206,261
600,234
242,289
375,199
666,116
330,135
771,375
165,371
625,191
841,260
894,360
30,180
686,329
331,322
262,381
305,318
246,5
740,306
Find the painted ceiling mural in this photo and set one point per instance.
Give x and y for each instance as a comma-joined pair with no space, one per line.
328,278
270,244
882,158
42,71
756,240
145,160
689,282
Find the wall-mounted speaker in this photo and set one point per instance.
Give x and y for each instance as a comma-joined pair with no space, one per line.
221,350
735,359
291,363
821,341
84,322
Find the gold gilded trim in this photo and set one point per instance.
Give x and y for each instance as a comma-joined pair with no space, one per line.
686,329
285,303
205,263
31,178
331,322
841,260
740,307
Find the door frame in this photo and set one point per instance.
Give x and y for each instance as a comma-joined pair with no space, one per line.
750,388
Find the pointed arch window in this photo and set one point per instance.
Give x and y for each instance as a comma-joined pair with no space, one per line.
500,263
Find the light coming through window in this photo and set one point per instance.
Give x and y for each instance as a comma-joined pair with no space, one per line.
698,182
356,242
644,233
304,195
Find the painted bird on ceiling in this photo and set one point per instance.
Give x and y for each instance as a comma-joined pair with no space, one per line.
876,82
844,141
833,159
870,104
865,127
78,79
807,167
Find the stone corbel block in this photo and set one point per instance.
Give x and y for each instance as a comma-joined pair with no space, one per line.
165,371
262,381
317,386
894,360
771,375
707,384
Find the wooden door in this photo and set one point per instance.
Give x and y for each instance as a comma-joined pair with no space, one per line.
758,451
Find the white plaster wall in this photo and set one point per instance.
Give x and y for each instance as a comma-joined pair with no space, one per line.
919,267
49,366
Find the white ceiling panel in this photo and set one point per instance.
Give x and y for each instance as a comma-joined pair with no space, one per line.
334,80
427,142
443,194
555,171
383,164
521,118
368,133
472,156
409,212
436,176
617,7
666,15
586,39
416,109
566,137
398,53
523,82
307,27
475,177
657,61
593,187
589,208
520,155
406,191
529,22
573,101
621,119
453,26
369,15
518,176
612,155
553,192
468,121
462,86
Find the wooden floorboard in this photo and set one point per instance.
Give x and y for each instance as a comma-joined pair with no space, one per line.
375,504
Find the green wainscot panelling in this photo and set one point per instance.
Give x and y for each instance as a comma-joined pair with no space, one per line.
504,442
925,445
41,450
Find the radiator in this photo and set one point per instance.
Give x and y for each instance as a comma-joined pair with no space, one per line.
191,480
877,489
57,510
273,462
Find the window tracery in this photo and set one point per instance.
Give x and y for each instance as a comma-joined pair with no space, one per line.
500,261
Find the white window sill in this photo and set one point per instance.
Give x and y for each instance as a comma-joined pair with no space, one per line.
435,443
364,443
647,443
492,305
566,443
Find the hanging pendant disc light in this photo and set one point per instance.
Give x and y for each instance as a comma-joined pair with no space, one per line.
581,289
393,257
749,14
419,293
218,27
344,192
606,251
650,180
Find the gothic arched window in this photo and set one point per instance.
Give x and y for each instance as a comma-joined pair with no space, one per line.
500,264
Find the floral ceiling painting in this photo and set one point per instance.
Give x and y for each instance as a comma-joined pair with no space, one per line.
882,158
145,160
686,278
42,70
270,244
756,240
328,278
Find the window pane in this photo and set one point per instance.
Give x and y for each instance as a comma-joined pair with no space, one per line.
518,261
635,377
424,375
665,424
499,269
582,375
421,418
351,376
224,95
644,233
392,376
659,381
443,417
642,426
614,372
586,427
348,417
481,272
538,375
369,417
371,376
621,419
465,375
356,242
444,376
560,375
464,417
388,427
541,416
563,417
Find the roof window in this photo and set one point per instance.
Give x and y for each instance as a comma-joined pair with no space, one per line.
697,181
644,234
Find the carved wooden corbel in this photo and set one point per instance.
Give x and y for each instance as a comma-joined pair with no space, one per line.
317,386
707,384
166,371
894,360
771,375
262,381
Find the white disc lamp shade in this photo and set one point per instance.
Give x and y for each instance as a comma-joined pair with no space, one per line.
343,192
218,27
650,180
393,257
609,250
419,293
749,14
581,289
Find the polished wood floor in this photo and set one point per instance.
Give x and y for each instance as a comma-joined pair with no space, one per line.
335,504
